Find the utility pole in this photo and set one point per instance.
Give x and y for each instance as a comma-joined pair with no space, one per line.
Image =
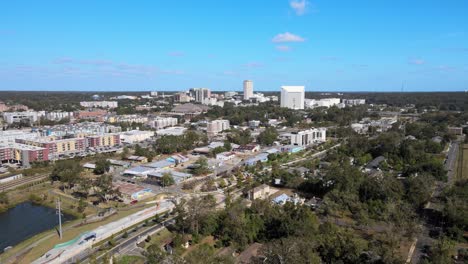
59,212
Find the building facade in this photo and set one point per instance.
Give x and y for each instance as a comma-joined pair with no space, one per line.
101,104
216,126
307,137
292,97
248,89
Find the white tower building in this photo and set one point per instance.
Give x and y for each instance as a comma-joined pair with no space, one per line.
292,97
248,89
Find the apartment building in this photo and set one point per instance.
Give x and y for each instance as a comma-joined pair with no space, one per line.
21,153
216,126
162,122
307,137
100,104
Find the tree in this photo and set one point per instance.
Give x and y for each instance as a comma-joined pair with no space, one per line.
125,153
268,136
201,166
154,255
102,166
290,250
167,179
66,171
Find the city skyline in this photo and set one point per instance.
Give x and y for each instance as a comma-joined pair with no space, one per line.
166,46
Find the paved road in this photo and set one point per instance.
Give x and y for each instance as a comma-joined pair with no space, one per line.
424,238
451,160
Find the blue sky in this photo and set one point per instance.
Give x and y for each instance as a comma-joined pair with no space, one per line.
174,45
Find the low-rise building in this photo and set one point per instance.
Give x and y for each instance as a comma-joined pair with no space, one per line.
163,122
21,153
259,192
173,131
135,136
100,104
250,148
17,117
254,124
308,137
325,102
353,102
225,156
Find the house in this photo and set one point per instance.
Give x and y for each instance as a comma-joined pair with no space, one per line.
224,156
177,159
160,164
262,157
284,198
374,164
139,159
119,163
139,171
259,192
250,148
131,191
177,176
301,171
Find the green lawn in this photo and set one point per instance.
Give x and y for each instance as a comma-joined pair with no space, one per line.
130,260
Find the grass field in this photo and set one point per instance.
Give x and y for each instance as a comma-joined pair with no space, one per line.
131,260
462,163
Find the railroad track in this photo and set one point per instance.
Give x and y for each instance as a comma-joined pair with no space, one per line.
23,181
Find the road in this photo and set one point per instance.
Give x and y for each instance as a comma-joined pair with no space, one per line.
125,246
451,160
430,210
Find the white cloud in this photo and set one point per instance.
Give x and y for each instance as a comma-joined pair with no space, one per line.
417,61
287,37
253,64
299,6
283,48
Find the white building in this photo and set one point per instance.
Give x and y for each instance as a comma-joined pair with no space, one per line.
135,136
292,97
352,102
200,94
254,123
154,94
171,131
248,89
16,117
182,97
58,115
216,126
325,102
225,156
162,122
102,104
307,137
230,94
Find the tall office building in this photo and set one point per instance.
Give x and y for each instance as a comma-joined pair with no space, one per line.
292,97
200,94
248,89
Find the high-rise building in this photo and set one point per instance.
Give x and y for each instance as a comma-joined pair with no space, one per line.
248,89
200,94
292,97
216,126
